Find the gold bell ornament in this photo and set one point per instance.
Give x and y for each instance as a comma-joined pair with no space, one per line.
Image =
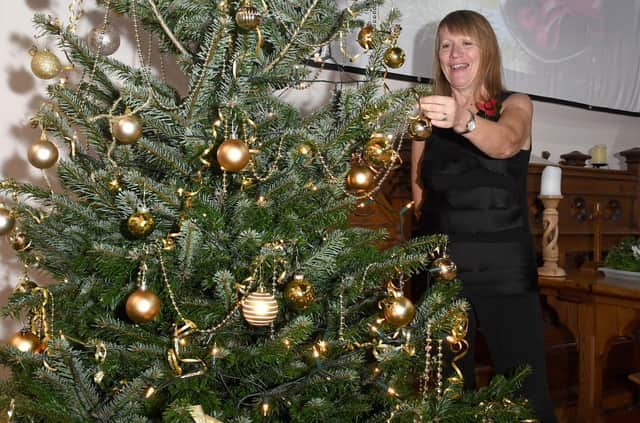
419,129
7,220
259,308
394,57
127,129
43,153
365,37
44,64
444,268
299,293
140,223
233,155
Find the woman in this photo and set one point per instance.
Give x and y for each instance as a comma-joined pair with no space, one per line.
469,182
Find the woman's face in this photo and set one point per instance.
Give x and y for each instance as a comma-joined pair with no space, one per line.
459,59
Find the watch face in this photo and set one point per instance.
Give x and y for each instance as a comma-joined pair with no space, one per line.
471,125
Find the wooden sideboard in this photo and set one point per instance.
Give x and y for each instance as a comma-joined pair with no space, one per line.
592,327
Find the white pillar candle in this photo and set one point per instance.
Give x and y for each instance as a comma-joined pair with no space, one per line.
599,154
551,181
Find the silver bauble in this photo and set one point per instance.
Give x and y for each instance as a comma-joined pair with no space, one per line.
104,39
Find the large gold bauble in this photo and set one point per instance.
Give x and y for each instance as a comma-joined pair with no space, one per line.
43,154
394,57
299,293
419,129
365,37
360,178
26,341
127,129
233,155
398,311
140,223
259,308
248,18
445,268
7,220
378,152
45,65
142,306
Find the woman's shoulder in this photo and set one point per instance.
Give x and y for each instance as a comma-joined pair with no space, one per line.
516,99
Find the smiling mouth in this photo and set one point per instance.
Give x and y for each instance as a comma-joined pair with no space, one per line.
459,66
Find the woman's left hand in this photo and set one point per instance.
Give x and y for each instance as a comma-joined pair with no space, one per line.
442,111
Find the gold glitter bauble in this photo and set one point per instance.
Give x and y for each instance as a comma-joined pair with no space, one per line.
394,57
127,129
7,220
445,268
142,306
141,223
398,311
365,37
45,65
247,17
378,152
360,178
233,155
299,293
419,129
259,308
26,341
43,154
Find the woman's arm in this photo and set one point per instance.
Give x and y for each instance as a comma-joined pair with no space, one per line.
417,150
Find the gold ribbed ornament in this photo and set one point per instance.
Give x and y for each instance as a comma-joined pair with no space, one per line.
259,308
233,155
44,64
248,18
7,220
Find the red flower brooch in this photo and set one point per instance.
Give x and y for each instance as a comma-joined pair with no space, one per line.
488,108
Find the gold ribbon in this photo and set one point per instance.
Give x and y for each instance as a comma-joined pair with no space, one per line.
180,335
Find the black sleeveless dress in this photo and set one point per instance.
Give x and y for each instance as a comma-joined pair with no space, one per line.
480,203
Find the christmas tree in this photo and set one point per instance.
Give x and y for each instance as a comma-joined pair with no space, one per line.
204,267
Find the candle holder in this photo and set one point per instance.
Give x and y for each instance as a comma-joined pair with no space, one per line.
550,253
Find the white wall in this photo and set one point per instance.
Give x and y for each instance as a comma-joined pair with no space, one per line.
557,129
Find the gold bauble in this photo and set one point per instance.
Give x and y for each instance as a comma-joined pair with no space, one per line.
142,306
360,178
45,65
445,268
299,293
419,129
378,152
247,17
127,129
20,242
26,341
140,223
233,155
394,57
7,220
398,311
365,37
43,154
259,308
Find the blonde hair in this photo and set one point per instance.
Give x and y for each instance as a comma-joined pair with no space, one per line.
476,26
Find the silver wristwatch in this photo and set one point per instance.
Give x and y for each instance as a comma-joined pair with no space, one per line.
471,123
